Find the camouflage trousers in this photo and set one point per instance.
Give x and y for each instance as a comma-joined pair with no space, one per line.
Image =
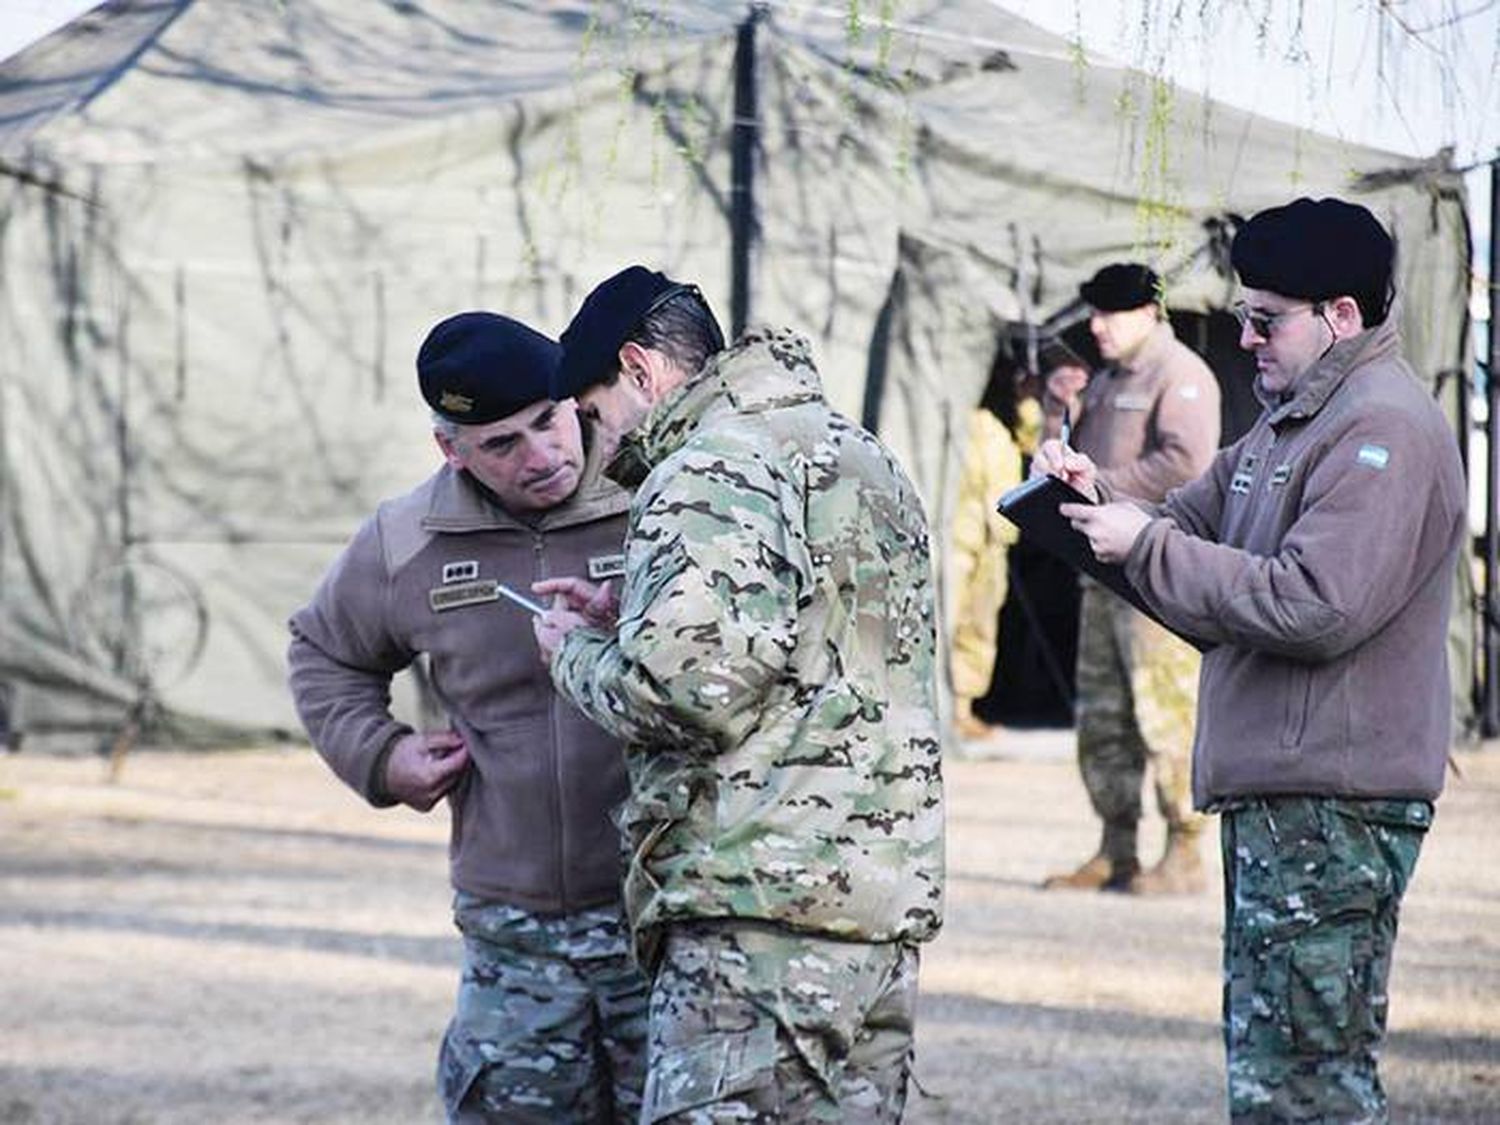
754,1023
1137,703
1312,890
550,1022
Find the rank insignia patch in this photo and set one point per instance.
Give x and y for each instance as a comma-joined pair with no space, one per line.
465,571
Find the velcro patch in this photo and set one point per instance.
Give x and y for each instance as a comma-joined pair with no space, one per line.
470,593
465,571
606,566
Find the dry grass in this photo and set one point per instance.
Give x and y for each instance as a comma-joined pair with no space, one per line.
235,938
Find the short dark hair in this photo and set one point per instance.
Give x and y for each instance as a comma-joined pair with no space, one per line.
682,327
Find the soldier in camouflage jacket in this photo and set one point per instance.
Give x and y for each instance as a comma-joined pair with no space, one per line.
771,674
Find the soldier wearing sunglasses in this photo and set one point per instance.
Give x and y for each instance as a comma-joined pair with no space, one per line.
1317,556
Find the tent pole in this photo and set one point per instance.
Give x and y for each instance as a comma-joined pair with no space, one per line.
1489,724
744,137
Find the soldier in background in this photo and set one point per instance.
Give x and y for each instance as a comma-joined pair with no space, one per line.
1317,555
1150,421
551,1013
770,666
1003,430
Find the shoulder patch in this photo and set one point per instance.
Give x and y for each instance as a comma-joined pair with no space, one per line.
1188,390
1375,456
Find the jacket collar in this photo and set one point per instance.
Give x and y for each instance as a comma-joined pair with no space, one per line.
1316,385
765,369
460,503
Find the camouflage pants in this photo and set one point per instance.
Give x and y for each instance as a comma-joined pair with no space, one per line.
1137,702
550,1022
753,1023
1312,889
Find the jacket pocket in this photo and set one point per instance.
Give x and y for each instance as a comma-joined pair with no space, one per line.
1298,702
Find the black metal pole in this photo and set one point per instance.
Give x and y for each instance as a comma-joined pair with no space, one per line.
743,139
1489,719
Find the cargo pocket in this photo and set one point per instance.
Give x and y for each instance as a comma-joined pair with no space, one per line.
1322,1003
708,1070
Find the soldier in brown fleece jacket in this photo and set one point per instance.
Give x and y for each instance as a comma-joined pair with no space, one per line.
1317,556
1149,420
551,1012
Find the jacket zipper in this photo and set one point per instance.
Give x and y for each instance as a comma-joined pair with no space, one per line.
539,569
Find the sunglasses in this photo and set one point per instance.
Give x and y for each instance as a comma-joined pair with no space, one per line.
1263,323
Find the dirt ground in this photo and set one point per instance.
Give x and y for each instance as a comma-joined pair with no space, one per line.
235,938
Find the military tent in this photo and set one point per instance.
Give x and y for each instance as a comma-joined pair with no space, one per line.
226,224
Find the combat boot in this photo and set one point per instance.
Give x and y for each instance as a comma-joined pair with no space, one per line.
1111,868
1180,871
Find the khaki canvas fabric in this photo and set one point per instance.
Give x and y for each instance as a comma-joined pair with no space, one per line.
227,225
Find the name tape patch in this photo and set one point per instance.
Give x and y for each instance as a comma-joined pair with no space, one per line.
467,593
606,566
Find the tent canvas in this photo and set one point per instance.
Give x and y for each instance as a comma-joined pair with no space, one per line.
226,224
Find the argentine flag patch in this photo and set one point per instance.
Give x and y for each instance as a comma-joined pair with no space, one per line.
1375,456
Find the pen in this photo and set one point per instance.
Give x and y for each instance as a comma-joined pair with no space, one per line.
523,602
1066,433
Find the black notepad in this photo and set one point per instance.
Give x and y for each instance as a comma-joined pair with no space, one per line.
1032,506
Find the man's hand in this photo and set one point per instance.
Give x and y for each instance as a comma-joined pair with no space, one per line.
423,766
596,603
1073,467
552,629
1112,529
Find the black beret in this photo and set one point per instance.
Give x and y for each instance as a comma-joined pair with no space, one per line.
1316,249
1124,285
606,318
479,367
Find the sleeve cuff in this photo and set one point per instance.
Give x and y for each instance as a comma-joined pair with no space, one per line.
375,790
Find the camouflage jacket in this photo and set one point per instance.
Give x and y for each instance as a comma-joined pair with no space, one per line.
772,673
